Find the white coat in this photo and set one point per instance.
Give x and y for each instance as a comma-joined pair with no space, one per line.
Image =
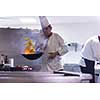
54,43
91,50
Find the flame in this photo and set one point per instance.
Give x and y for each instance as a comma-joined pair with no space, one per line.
29,46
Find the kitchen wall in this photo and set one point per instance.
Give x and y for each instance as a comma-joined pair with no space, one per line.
79,32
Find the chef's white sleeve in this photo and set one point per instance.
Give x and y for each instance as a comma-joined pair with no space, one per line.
95,49
63,50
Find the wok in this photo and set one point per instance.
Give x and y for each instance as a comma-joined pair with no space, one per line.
33,56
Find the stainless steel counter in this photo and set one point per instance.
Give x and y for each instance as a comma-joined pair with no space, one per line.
37,77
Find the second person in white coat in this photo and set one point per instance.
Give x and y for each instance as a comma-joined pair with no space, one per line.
90,53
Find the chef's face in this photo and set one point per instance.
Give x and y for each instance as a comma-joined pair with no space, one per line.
47,31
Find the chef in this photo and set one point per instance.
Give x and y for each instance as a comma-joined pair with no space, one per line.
53,49
90,53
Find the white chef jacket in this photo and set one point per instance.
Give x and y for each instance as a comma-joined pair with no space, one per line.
55,43
91,50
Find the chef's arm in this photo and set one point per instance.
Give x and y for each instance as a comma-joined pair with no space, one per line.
53,54
62,50
95,49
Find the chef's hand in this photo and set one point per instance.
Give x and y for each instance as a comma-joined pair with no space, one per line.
40,48
53,54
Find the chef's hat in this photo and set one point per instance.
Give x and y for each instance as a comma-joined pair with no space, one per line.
44,22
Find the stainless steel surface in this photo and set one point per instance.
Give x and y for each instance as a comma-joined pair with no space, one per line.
36,77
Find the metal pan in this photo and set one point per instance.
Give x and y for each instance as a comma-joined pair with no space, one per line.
33,56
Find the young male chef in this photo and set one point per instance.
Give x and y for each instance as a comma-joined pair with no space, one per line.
54,48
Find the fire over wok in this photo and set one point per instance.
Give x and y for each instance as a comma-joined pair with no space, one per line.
29,51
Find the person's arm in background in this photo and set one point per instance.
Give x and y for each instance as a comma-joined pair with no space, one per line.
95,46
